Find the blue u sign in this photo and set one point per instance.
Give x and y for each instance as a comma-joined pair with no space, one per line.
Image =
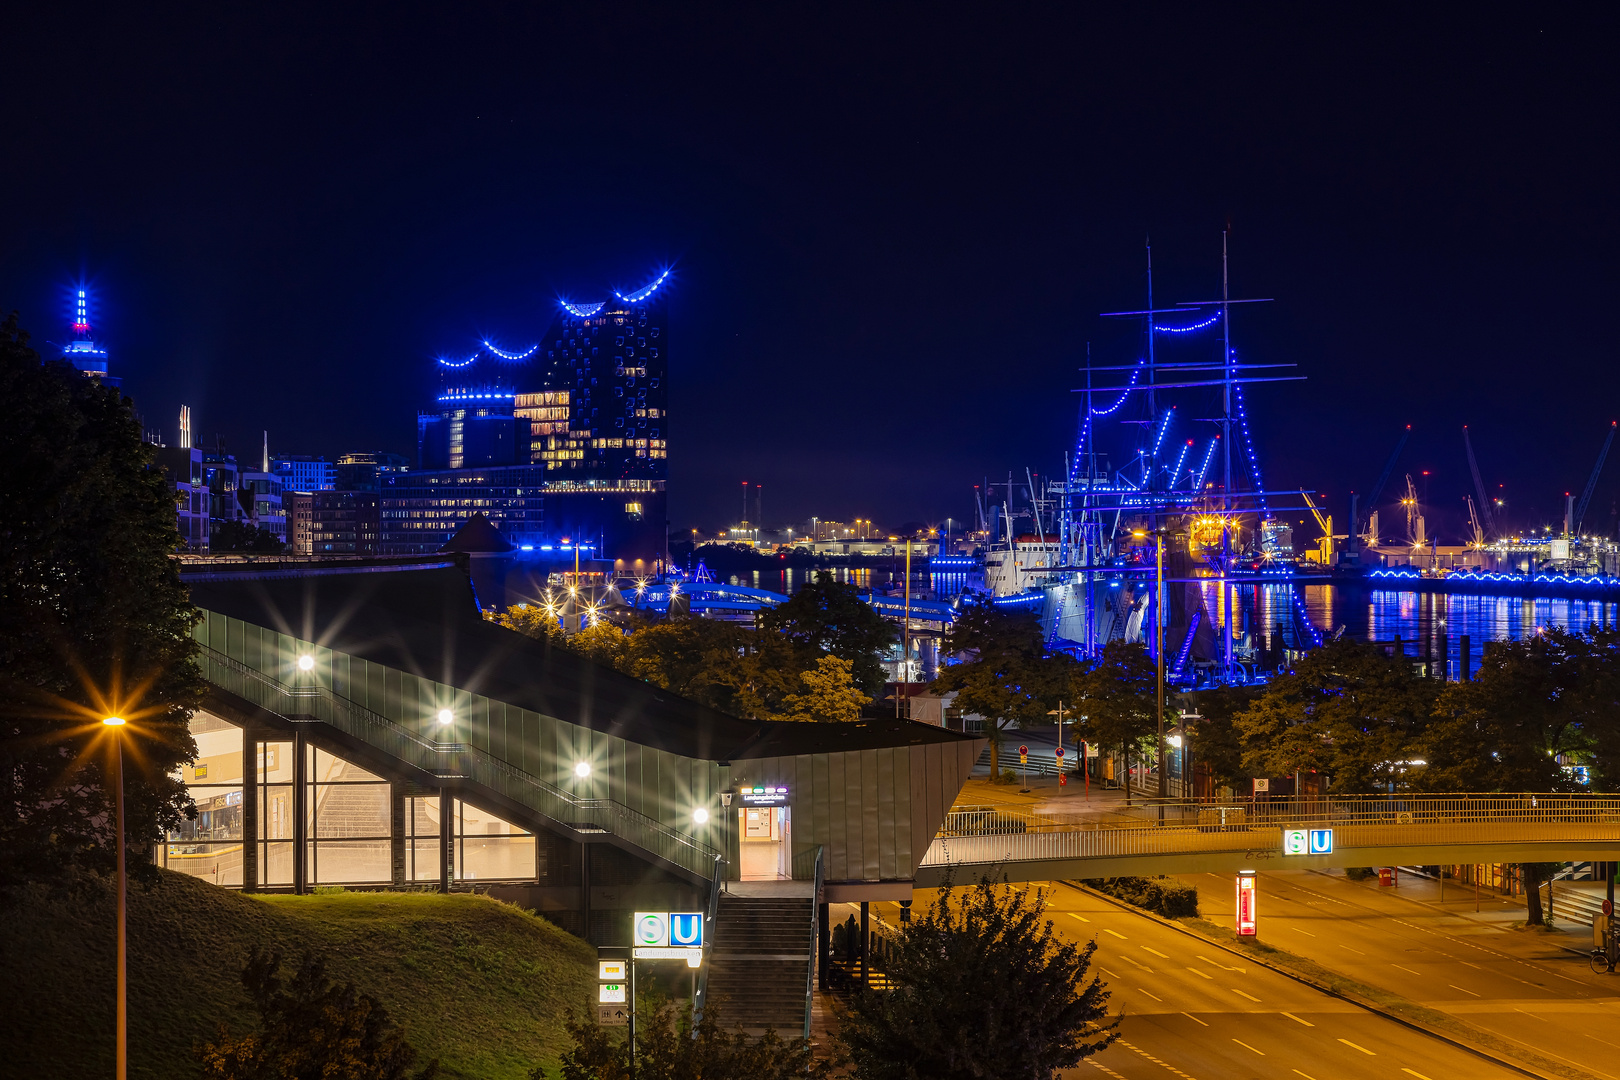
686,929
1321,841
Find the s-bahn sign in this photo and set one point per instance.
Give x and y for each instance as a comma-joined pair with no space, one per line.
1307,841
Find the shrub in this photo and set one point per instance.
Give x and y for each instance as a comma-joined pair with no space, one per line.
1160,895
1359,873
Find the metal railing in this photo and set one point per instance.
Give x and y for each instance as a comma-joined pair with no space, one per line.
312,702
711,923
815,942
1001,834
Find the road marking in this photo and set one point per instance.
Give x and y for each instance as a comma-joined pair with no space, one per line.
1297,1020
1407,969
1077,915
1246,1046
1531,1015
1156,952
1144,967
1116,933
1105,1069
1415,1073
1195,1020
1240,993
1223,967
1358,952
1306,1075
1157,1061
1297,930
1106,972
1454,986
1363,1049
1200,974
1158,999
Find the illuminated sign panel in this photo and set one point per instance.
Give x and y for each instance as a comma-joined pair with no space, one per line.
612,970
763,796
665,935
610,993
1307,841
1245,904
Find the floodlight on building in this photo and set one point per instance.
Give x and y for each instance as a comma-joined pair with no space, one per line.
700,815
446,716
306,663
113,721
582,769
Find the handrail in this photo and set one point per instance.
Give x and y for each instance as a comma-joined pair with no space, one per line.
815,941
453,760
711,923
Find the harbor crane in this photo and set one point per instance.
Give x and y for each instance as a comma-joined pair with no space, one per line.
1479,489
1371,535
1415,536
1478,542
1591,482
1325,545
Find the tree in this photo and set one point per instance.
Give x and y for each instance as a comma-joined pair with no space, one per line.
1118,700
666,1049
310,1029
531,620
982,987
244,536
93,620
1216,744
603,643
830,693
1009,678
1346,709
829,616
741,671
1531,701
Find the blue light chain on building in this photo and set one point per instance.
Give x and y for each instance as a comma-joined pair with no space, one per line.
476,397
1203,470
1589,581
1211,321
582,311
512,356
636,298
1248,443
452,364
1137,374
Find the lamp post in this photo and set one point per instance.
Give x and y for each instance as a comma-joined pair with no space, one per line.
122,1070
1158,645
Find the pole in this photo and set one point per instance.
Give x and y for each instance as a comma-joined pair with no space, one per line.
866,941
1158,634
123,889
632,1031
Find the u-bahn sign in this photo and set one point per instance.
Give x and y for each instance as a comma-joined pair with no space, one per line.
1307,841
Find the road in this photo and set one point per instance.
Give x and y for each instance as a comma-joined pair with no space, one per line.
1194,1012
1523,987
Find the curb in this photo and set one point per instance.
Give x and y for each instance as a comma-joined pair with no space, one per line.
1369,1006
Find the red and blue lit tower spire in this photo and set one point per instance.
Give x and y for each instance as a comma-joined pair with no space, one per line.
82,352
81,315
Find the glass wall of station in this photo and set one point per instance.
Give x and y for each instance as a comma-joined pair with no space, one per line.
347,828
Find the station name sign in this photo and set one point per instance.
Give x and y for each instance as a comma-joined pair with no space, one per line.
763,796
665,935
1307,841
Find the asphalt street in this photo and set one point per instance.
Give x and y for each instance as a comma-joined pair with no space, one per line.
1522,986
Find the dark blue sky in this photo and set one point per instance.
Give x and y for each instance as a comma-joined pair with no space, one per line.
892,230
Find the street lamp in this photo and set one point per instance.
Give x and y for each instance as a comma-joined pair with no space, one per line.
1158,648
117,722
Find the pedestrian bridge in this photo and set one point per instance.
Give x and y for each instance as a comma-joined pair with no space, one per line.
1184,837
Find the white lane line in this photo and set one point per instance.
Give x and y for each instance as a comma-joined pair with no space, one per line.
1454,986
1419,974
1297,1020
1079,916
1246,1046
1358,1046
1223,967
1195,1020
1160,1000
1157,1061
1306,1075
1144,967
1415,1073
1156,952
1200,974
1297,930
1358,952
1240,993
1105,1069
1531,1015
1106,972
1116,933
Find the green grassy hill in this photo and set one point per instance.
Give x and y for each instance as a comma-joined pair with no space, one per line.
480,985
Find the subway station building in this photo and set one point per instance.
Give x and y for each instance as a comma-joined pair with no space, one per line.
367,727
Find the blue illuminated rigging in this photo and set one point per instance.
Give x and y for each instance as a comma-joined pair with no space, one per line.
1175,473
1211,321
1203,470
1248,444
1137,374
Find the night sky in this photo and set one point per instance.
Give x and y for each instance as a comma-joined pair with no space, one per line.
892,228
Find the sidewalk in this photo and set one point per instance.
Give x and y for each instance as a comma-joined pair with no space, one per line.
1457,898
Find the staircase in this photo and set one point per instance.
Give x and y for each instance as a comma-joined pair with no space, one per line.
760,965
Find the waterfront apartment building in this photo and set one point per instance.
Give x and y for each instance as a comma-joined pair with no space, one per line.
344,523
302,473
184,465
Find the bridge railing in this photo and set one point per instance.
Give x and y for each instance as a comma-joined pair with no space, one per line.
305,703
995,834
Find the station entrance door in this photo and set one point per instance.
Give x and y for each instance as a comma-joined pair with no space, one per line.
764,834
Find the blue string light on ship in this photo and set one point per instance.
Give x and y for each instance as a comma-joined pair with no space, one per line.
1175,473
1137,374
1164,426
1211,321
1248,444
512,356
1203,470
636,298
582,311
1299,606
461,364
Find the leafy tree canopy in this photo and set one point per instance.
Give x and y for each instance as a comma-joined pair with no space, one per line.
93,620
1117,699
829,616
668,1049
310,1029
829,693
983,988
243,536
1008,677
1346,709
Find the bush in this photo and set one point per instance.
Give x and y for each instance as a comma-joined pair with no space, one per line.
1160,895
1359,873
1007,777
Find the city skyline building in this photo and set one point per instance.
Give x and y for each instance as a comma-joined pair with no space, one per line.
83,352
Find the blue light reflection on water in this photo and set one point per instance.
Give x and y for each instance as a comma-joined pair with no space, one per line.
1422,620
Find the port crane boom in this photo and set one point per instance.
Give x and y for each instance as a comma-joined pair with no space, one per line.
1383,477
1325,523
1479,489
1591,481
